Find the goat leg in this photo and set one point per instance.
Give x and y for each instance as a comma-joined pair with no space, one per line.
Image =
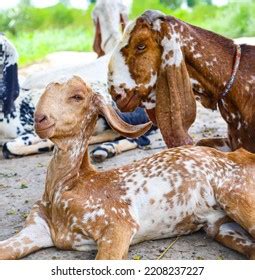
110,149
26,145
233,236
34,236
105,136
221,144
114,244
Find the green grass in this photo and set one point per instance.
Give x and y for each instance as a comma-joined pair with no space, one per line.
33,46
37,32
233,20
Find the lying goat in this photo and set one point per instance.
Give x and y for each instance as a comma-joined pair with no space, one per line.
182,189
165,63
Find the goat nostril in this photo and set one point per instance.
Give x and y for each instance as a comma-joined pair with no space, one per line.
117,97
40,118
116,94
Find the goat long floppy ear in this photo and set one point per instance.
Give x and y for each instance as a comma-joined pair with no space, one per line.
98,39
117,123
175,102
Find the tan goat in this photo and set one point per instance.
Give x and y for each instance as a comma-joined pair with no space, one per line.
174,192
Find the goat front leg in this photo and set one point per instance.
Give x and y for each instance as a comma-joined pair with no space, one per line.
233,236
107,135
26,145
114,244
221,144
34,236
110,149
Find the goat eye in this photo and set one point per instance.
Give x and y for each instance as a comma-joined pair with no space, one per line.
77,97
141,47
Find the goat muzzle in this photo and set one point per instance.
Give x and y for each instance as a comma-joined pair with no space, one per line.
43,125
127,101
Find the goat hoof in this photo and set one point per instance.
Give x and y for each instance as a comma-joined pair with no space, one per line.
99,155
45,149
7,154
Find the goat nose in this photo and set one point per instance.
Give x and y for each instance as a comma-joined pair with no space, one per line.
40,118
117,96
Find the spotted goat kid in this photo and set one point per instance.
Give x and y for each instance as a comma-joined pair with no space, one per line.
183,189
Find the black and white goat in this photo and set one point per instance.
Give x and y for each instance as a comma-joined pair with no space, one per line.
9,86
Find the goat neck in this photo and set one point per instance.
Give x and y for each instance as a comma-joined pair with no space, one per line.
70,159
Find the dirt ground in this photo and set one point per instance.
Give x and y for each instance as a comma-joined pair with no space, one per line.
22,183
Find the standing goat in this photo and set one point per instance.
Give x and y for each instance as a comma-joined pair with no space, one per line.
163,63
182,189
108,17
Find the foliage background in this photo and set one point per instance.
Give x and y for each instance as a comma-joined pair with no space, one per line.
37,32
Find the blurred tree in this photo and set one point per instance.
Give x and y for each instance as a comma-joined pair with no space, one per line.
173,4
25,3
192,3
65,2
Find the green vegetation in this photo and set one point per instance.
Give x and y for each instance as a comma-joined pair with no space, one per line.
37,32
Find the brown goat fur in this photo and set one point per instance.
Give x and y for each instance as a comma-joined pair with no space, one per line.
174,192
163,63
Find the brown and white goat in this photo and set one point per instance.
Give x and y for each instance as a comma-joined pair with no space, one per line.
108,16
164,63
174,192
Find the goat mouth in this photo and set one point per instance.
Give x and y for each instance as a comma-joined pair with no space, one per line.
132,103
44,131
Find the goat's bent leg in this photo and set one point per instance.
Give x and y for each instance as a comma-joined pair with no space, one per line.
26,145
107,135
233,236
221,144
34,236
110,149
114,244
